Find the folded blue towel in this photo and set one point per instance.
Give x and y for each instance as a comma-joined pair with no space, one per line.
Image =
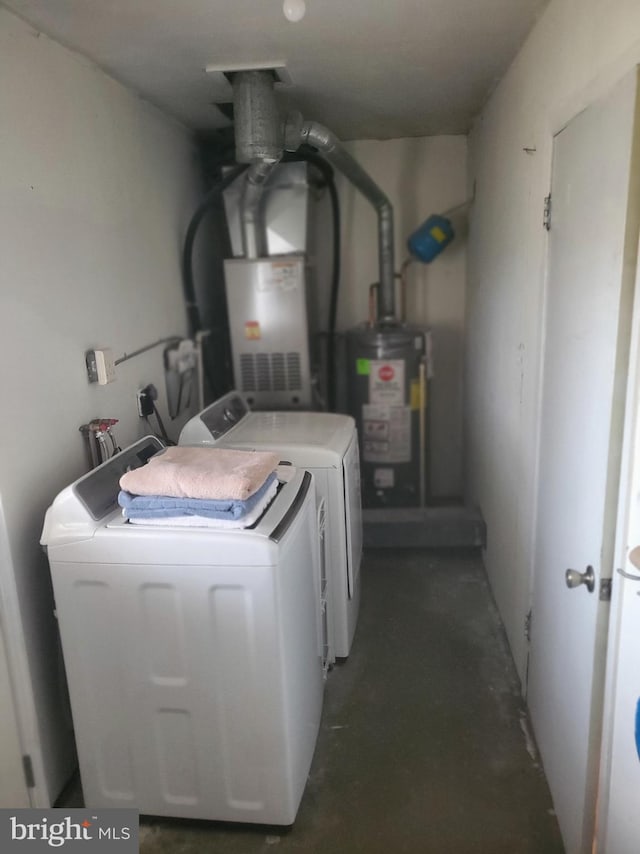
163,506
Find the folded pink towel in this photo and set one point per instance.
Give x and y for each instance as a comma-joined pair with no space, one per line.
184,472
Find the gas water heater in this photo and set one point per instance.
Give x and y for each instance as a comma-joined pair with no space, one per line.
389,366
387,393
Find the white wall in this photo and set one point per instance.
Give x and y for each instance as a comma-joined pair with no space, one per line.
578,50
420,176
96,189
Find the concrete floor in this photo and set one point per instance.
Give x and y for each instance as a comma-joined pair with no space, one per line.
424,743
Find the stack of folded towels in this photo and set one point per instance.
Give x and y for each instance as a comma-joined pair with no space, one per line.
196,487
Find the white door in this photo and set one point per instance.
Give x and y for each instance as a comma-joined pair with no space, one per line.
619,817
13,785
13,789
591,270
39,704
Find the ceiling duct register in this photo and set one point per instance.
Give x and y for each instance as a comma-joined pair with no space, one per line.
268,295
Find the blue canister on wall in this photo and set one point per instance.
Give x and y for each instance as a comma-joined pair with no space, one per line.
428,241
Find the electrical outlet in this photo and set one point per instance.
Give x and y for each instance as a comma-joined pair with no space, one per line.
145,402
105,366
90,361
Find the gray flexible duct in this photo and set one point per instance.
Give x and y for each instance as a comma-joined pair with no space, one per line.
259,142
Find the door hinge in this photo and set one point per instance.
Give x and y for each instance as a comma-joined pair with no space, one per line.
527,627
546,216
27,766
605,589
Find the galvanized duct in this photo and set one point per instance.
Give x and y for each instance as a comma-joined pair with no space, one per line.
254,241
298,132
259,142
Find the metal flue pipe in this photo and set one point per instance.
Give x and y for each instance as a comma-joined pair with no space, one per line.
297,132
259,142
254,240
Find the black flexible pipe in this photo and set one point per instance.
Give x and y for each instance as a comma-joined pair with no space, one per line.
335,287
190,299
333,302
191,303
328,174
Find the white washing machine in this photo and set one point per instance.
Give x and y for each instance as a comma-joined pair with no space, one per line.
327,445
193,654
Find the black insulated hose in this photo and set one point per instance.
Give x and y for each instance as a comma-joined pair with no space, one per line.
191,303
328,174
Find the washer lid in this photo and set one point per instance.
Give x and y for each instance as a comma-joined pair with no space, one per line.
317,429
71,539
228,421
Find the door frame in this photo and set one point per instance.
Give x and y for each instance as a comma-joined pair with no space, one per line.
14,792
19,673
625,502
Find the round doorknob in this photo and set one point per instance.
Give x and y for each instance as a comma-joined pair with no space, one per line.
574,578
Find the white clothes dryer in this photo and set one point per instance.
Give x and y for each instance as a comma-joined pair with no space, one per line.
325,444
192,654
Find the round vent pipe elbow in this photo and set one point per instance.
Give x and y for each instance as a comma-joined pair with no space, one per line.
296,132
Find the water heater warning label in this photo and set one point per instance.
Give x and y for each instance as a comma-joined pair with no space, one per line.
386,433
386,382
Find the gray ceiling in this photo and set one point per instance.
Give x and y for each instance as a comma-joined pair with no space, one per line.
365,68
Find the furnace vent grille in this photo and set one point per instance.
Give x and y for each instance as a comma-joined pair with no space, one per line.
270,372
293,370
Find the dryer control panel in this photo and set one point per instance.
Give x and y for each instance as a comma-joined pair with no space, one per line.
216,420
